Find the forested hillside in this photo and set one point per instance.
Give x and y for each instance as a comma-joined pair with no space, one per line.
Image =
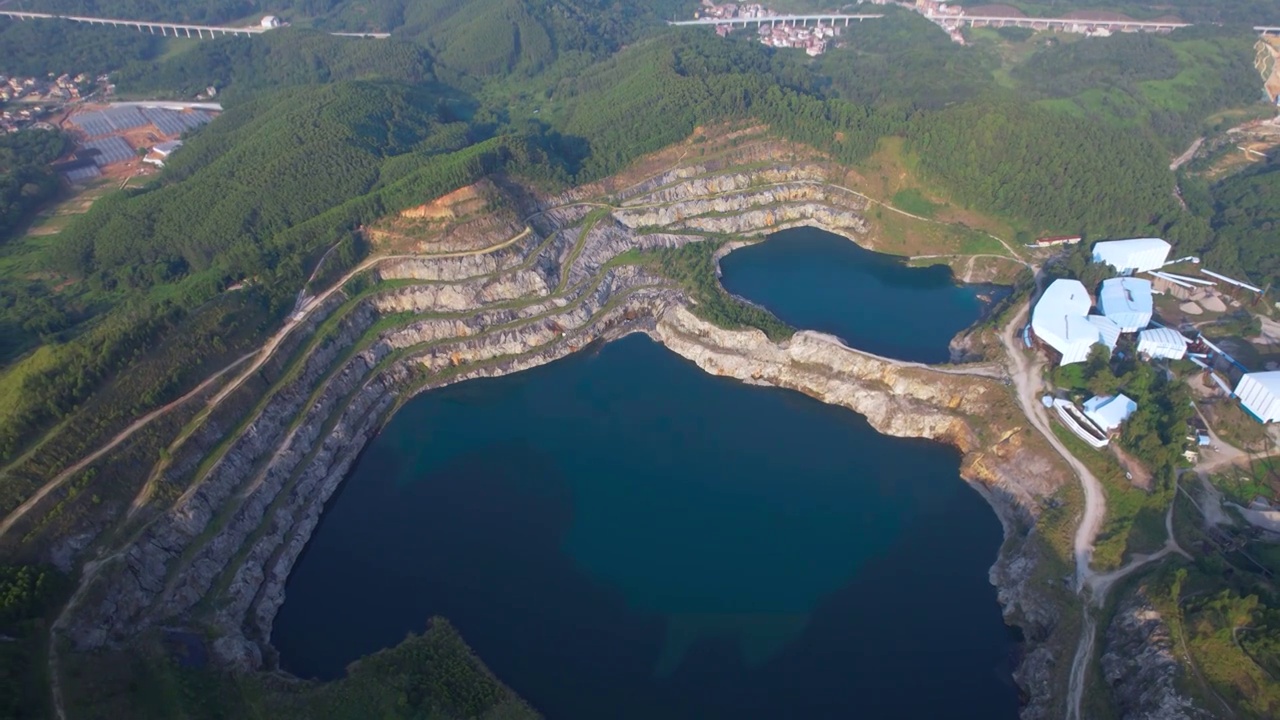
1245,12
241,66
498,37
204,12
26,182
1168,85
903,59
258,197
1059,172
1246,220
37,47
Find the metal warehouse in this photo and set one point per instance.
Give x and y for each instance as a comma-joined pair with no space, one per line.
1162,343
1060,320
1134,255
1259,393
1126,301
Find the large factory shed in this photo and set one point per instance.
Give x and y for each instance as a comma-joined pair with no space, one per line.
1126,301
1060,320
1162,343
1259,393
1131,256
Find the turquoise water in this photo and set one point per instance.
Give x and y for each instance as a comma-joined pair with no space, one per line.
620,535
816,280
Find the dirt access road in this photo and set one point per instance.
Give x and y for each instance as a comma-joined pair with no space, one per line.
306,306
1025,373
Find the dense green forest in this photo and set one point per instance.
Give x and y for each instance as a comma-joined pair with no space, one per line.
37,47
26,181
1166,85
204,12
1245,219
29,595
1243,12
240,67
902,59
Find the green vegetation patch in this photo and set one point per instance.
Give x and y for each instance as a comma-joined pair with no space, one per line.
1135,518
1169,85
693,266
29,597
913,201
432,675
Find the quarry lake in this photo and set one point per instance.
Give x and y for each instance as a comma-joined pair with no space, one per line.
817,280
620,535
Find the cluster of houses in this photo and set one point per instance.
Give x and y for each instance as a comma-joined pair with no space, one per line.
1068,323
63,87
813,40
50,92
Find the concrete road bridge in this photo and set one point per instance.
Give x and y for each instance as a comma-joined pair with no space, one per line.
1035,23
774,20
164,28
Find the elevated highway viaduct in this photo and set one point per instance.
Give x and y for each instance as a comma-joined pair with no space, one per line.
164,28
1035,23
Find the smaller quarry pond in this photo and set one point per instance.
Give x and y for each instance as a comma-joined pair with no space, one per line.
816,280
620,535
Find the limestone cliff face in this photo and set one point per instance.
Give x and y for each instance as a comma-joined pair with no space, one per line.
897,398
1140,666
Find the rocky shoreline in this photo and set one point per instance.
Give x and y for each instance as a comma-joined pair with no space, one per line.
218,557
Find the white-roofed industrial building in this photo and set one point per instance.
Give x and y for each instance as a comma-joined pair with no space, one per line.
161,152
1126,301
1131,256
1108,331
1059,320
1109,412
1162,343
1259,393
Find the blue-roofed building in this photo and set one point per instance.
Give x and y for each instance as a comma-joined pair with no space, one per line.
1109,412
1126,301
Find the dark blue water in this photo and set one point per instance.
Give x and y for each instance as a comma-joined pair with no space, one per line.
620,535
817,280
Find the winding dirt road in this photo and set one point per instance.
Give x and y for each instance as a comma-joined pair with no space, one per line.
306,306
61,478
1026,378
